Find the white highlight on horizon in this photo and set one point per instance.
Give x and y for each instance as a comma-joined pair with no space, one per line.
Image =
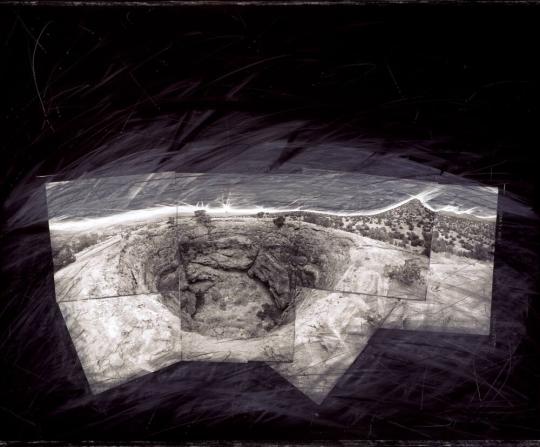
226,208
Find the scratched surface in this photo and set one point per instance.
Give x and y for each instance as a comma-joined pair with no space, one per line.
434,93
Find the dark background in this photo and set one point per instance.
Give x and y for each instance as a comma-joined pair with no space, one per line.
122,90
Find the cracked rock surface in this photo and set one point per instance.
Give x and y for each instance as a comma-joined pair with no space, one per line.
238,275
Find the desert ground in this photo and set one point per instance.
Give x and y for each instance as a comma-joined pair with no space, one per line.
118,339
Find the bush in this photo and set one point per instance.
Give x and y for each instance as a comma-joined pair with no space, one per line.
84,241
63,257
395,235
317,219
427,241
408,273
440,245
202,217
269,313
279,221
378,234
481,252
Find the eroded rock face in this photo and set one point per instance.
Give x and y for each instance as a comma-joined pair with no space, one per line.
275,274
238,276
148,256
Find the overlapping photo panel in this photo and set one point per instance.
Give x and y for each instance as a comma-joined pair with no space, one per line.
351,232
118,339
237,301
112,236
460,277
249,243
114,251
333,328
236,293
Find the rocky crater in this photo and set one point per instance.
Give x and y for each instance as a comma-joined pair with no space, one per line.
226,277
238,276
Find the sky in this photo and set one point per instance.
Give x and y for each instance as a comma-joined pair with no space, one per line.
87,203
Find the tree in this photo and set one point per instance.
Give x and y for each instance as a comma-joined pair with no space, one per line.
202,217
427,241
279,221
63,257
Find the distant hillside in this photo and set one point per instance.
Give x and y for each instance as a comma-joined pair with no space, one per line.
474,238
406,226
415,227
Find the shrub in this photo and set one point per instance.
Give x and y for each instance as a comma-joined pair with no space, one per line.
427,241
378,234
481,252
279,221
202,217
84,241
63,257
317,219
439,244
408,273
269,313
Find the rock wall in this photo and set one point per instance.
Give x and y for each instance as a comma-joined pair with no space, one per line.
256,264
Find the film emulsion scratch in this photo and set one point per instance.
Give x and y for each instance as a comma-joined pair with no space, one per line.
269,225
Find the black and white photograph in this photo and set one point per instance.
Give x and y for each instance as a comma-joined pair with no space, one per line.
113,236
236,297
458,300
247,243
332,329
120,338
345,232
269,223
113,244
